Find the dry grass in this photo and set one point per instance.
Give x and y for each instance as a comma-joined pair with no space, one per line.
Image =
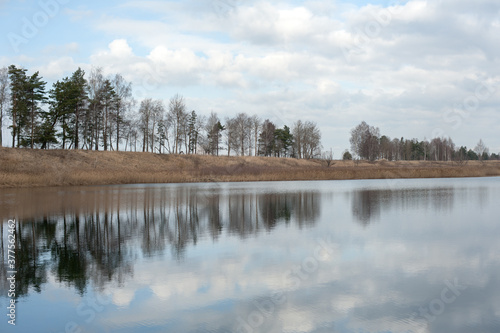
34,168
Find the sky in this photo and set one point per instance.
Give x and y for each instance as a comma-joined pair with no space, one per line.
415,69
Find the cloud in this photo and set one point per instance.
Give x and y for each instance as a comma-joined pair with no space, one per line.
57,69
308,59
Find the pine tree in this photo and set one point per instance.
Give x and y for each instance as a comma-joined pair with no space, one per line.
36,96
79,101
18,82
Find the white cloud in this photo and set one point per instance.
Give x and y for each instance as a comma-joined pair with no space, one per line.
57,69
308,59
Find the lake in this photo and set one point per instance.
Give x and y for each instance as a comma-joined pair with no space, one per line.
328,256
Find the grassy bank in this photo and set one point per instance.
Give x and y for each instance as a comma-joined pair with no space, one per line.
34,168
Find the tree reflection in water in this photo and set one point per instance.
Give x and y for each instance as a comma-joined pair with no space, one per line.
95,235
367,204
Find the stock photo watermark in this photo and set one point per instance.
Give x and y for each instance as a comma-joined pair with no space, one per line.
293,278
224,7
463,110
436,307
11,273
371,30
88,309
31,25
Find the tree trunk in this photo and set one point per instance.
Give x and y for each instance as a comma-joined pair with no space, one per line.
77,111
118,129
105,129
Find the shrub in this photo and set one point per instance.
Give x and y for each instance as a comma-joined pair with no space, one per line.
347,156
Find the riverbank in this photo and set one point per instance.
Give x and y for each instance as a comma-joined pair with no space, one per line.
36,168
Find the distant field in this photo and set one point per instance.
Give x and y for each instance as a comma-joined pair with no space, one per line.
34,168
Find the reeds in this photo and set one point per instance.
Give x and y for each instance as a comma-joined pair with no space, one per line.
34,168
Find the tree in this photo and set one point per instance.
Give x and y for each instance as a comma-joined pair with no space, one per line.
4,97
242,133
214,129
231,132
178,117
108,100
18,110
195,124
481,149
441,149
255,123
283,141
357,138
385,148
347,156
328,157
471,155
59,111
395,151
68,101
78,101
460,156
162,134
123,102
93,117
311,141
35,95
307,140
298,134
151,111
365,141
266,138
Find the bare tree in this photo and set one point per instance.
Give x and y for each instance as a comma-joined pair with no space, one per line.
311,140
242,127
255,123
328,157
365,141
108,101
298,134
198,129
151,112
124,101
93,121
213,128
145,112
231,134
481,149
395,149
178,117
163,133
4,96
441,149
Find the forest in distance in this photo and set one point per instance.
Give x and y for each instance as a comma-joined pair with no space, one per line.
98,112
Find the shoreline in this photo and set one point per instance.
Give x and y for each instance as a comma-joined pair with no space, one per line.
48,168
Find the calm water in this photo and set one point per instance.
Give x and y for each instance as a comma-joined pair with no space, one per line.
331,256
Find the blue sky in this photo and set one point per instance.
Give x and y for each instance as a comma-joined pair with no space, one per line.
415,69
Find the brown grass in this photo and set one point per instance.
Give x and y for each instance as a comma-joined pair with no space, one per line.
34,168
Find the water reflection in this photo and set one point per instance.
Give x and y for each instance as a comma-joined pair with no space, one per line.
368,203
244,257
93,235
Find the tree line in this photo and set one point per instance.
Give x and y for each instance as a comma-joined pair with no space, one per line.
99,112
368,144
